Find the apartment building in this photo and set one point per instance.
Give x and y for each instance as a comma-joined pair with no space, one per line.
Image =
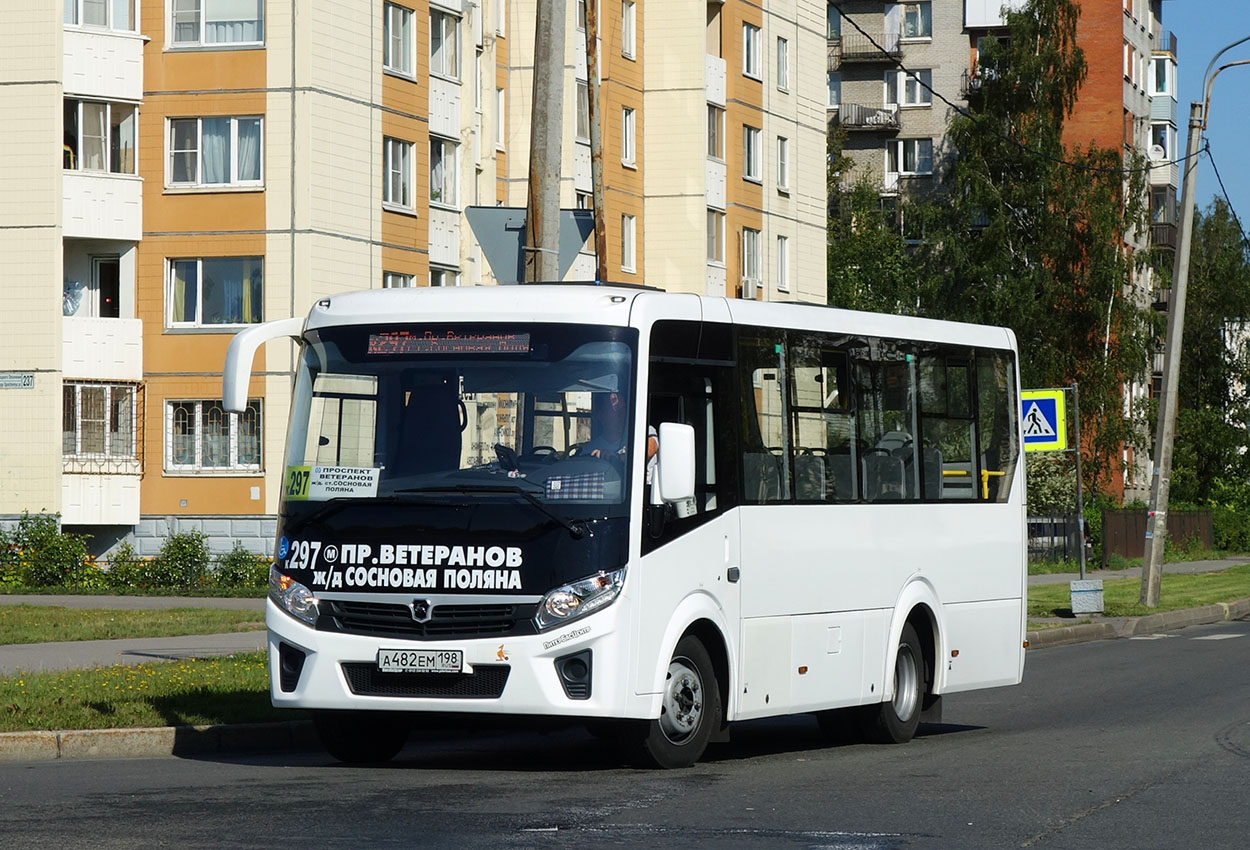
176,170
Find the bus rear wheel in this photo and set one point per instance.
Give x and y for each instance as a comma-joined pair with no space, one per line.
895,721
362,737
689,711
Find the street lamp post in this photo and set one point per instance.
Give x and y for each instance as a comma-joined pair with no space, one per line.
1156,521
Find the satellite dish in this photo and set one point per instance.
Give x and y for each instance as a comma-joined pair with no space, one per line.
1157,153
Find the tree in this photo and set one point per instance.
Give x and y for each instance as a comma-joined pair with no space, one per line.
1212,444
1030,234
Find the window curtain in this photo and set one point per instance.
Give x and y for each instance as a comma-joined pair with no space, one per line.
249,149
185,291
215,435
437,172
94,133
95,13
249,435
252,290
121,422
186,21
182,433
215,142
233,21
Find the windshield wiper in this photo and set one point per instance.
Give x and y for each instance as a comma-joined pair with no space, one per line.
575,530
337,503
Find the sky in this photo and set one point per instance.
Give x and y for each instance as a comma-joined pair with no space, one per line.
1203,28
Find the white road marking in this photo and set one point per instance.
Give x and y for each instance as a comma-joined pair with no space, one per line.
1218,637
1151,637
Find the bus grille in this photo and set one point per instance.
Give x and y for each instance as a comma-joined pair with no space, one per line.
485,682
454,621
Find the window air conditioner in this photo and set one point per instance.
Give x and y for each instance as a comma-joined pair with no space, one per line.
750,288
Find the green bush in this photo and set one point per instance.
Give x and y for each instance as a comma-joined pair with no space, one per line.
37,554
241,568
183,562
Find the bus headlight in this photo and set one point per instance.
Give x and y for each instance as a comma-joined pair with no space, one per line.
578,598
292,597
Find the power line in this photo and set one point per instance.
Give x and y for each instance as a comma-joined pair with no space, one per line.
962,110
1207,149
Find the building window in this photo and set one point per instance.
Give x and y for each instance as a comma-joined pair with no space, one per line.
751,63
628,235
214,152
444,276
213,291
783,164
783,264
114,15
716,236
196,22
100,296
627,135
918,20
582,130
833,22
1159,76
581,15
909,88
201,435
716,132
751,154
783,64
397,162
398,54
833,87
501,116
750,254
397,280
100,136
98,421
444,54
629,25
443,172
910,156
1163,136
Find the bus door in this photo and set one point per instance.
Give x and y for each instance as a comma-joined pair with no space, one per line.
690,550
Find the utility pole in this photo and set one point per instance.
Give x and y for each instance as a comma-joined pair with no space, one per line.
1157,519
596,141
542,209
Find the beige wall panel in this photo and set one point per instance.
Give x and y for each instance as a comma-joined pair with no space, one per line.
30,41
346,40
344,159
30,160
30,476
675,253
279,155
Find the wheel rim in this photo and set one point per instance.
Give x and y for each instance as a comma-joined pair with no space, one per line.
906,684
683,701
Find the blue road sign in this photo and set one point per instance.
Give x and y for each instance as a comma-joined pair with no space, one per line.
1042,420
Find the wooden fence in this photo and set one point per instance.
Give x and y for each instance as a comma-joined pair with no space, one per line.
1124,531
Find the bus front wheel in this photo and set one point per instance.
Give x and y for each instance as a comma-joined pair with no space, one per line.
895,721
689,711
362,737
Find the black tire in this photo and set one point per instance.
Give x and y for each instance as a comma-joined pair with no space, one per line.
690,710
895,722
362,737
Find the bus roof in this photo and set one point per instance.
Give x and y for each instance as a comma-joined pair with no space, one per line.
611,304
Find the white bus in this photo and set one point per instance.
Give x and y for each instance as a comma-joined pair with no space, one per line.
834,521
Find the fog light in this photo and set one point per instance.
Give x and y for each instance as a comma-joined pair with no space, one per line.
575,674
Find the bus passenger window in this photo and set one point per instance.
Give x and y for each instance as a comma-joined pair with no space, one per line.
997,412
765,471
947,426
887,422
823,427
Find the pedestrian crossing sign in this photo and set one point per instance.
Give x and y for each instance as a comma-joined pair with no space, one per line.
1042,420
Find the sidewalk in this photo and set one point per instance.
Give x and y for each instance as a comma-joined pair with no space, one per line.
298,735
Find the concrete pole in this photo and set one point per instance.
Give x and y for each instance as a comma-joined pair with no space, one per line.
596,141
1157,519
542,209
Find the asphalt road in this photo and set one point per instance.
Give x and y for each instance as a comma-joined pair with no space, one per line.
1138,743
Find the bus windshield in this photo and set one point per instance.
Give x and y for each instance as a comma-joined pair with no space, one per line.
474,411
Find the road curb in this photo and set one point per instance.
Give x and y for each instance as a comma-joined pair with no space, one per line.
1146,625
234,739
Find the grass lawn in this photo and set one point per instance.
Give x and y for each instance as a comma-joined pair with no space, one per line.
230,689
1120,595
43,624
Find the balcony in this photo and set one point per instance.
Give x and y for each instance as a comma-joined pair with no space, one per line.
105,64
98,349
873,47
857,116
1163,235
969,84
1161,299
101,205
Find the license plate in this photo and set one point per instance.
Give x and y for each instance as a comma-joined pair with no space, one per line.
421,660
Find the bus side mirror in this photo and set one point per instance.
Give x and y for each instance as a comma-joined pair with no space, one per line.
674,473
242,350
